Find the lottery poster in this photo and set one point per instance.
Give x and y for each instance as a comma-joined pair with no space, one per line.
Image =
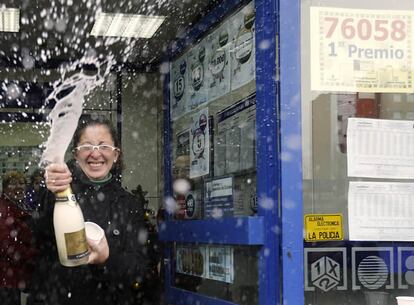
199,144
220,263
242,33
218,55
361,50
206,261
197,64
178,89
218,198
191,260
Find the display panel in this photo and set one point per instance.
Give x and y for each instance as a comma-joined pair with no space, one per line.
213,145
213,112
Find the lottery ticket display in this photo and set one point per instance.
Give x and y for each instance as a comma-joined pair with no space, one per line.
200,145
219,63
206,261
361,50
218,54
197,88
243,66
178,90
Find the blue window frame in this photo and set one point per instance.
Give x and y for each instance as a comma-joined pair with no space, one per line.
278,230
291,165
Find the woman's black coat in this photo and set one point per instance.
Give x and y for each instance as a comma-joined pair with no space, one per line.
121,215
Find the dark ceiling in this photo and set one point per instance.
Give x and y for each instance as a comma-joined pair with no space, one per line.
57,31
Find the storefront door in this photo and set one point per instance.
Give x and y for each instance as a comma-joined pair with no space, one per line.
222,170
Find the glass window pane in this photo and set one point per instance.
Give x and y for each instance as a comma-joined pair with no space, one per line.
357,136
225,272
213,109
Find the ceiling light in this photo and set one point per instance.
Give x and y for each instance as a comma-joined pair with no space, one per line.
126,25
9,20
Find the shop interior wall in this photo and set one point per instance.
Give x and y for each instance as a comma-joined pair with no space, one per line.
142,121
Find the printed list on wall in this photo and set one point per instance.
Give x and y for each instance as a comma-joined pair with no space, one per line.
382,150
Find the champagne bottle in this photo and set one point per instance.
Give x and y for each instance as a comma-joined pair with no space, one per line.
70,230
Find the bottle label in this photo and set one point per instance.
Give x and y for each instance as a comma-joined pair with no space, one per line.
69,198
76,245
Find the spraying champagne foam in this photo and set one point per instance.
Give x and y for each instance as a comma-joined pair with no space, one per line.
69,97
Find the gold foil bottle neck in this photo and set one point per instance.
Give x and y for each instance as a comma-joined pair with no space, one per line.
65,193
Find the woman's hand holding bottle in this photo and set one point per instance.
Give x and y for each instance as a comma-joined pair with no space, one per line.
57,177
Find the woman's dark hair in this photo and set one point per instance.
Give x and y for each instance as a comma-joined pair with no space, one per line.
85,122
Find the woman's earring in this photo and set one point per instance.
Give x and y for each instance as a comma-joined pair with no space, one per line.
115,161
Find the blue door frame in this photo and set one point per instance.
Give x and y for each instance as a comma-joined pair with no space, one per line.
278,229
267,147
291,152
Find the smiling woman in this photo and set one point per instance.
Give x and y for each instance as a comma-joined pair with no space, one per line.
106,159
93,177
96,163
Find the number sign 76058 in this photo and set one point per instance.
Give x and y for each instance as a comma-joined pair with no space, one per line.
365,29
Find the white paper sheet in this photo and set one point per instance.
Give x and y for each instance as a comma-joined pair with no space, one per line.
220,263
380,148
381,211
